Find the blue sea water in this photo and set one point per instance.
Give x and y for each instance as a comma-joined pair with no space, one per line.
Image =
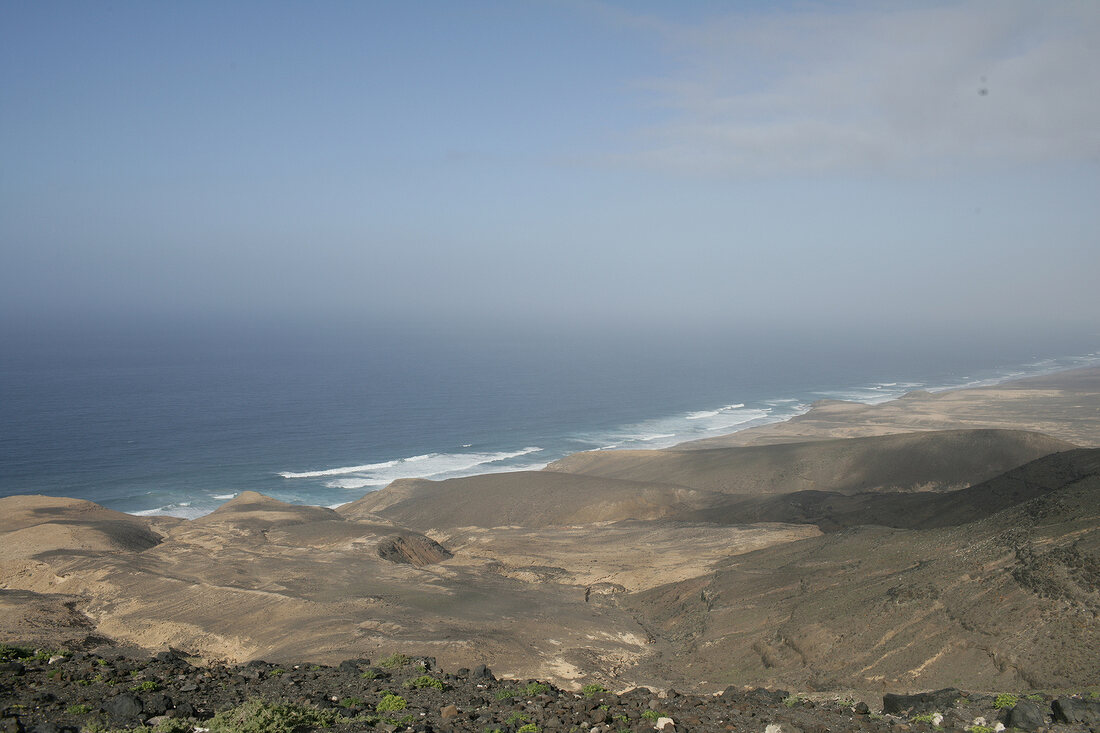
178,418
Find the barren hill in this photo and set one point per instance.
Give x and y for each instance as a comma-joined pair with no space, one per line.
926,461
1012,599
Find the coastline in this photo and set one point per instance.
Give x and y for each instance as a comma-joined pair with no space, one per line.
1036,403
738,565
832,417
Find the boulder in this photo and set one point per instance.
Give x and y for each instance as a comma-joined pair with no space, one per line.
123,707
1071,710
1026,716
921,702
414,549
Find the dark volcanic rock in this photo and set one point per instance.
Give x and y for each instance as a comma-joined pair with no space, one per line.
413,549
922,702
1026,716
44,699
123,707
1072,710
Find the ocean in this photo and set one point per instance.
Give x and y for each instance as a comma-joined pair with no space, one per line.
178,418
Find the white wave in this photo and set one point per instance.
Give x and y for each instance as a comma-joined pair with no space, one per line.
745,416
427,465
339,471
645,437
703,414
223,497
374,484
356,483
183,510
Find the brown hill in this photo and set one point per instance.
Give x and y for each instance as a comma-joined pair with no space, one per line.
521,499
696,485
926,461
1008,601
832,511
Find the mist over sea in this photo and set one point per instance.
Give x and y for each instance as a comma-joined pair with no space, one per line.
178,418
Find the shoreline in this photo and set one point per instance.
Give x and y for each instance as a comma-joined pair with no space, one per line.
968,407
658,567
759,427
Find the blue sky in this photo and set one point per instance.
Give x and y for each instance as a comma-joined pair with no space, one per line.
594,162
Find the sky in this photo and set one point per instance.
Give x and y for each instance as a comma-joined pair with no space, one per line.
608,163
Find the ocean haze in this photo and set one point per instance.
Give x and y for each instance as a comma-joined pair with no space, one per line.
246,240
575,162
179,417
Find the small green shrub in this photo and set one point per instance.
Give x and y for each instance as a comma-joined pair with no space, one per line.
370,674
8,652
650,715
276,672
922,718
504,694
395,660
424,681
176,725
529,728
1005,700
592,690
535,688
1035,697
351,702
792,700
621,717
257,716
390,703
980,729
80,709
146,686
516,717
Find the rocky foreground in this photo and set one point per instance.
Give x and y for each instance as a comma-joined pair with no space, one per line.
51,691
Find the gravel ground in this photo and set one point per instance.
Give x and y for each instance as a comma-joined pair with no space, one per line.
49,692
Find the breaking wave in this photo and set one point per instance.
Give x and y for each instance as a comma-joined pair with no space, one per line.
428,465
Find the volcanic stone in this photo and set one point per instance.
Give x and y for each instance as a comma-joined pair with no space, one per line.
1072,710
1026,716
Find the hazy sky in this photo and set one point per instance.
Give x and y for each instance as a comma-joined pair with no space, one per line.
608,161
